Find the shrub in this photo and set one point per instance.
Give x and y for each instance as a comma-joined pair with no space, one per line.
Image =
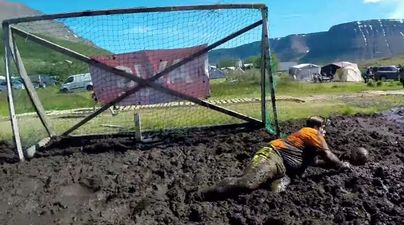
252,76
379,83
371,83
392,84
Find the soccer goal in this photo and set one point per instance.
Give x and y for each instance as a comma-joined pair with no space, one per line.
126,71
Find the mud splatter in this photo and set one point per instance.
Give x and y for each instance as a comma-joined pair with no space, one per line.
116,181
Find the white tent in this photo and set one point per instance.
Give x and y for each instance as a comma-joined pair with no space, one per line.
348,72
304,71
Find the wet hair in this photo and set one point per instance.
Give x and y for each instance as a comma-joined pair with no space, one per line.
314,121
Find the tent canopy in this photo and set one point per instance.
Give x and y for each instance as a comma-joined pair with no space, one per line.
304,71
343,71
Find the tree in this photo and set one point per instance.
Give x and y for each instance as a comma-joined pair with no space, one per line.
274,62
251,59
256,60
227,63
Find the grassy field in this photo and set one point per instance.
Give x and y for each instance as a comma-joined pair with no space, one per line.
50,97
220,89
188,116
172,117
223,88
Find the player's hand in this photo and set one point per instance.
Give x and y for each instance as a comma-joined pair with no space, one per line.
345,166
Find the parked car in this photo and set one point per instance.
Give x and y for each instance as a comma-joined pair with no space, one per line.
42,81
387,73
77,82
320,78
16,84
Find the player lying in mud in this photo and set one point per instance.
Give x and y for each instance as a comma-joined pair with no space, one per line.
282,158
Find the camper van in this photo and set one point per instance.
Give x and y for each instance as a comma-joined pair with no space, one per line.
77,82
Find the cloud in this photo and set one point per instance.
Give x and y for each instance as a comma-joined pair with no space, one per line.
371,1
398,12
396,5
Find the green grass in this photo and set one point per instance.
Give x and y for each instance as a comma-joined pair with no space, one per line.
50,97
231,87
292,88
191,116
220,89
348,106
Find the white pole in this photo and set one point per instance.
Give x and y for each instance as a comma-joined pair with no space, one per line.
13,117
138,127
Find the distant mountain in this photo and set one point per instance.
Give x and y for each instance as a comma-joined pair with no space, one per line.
41,60
9,10
354,41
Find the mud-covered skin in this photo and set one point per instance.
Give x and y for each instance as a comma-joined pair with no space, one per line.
265,167
104,183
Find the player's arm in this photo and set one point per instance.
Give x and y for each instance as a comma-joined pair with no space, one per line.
327,158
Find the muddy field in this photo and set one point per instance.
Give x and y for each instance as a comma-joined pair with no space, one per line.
115,181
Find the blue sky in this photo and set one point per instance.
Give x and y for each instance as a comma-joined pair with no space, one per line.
286,16
153,31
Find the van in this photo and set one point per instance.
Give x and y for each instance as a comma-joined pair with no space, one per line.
77,82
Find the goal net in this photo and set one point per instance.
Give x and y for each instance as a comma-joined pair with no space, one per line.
171,67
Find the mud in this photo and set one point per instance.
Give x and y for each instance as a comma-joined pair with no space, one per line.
116,181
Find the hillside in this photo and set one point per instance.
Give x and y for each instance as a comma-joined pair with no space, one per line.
40,60
354,41
397,60
10,10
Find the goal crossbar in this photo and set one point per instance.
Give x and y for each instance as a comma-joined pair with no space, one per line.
134,10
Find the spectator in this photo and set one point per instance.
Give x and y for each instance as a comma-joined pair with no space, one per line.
401,71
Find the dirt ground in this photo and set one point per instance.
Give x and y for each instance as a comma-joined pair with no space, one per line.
115,181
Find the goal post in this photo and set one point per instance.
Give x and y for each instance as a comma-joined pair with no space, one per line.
12,114
158,62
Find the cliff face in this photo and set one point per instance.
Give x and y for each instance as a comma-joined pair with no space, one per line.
357,41
354,41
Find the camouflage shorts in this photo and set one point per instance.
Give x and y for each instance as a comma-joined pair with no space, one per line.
268,155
